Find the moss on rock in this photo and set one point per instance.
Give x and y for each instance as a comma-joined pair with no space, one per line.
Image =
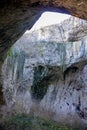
40,86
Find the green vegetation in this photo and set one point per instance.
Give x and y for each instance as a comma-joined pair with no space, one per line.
25,122
39,87
10,52
15,62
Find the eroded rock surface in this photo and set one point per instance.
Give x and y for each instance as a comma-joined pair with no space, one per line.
47,77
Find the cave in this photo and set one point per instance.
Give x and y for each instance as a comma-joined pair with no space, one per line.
26,14
17,18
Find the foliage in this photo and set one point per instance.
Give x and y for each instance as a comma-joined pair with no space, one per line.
26,122
39,87
10,52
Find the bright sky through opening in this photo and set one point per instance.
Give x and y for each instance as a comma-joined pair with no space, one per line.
49,18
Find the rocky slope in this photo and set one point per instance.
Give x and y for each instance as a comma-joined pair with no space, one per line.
45,74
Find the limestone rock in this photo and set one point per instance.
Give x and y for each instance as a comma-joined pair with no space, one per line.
54,80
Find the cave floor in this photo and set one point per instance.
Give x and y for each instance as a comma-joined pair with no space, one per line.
28,122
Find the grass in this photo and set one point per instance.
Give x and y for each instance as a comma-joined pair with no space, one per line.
24,122
27,122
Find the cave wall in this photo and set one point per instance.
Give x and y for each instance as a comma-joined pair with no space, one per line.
45,91
51,80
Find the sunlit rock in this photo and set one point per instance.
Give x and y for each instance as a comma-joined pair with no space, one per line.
48,76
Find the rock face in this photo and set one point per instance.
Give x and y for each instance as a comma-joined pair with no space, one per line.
18,15
46,75
75,7
70,30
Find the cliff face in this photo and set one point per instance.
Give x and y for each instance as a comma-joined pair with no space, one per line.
45,74
70,30
16,16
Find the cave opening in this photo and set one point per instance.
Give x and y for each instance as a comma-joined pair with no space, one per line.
50,18
31,45
41,57
43,73
14,54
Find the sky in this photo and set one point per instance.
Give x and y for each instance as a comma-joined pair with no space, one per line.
49,18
